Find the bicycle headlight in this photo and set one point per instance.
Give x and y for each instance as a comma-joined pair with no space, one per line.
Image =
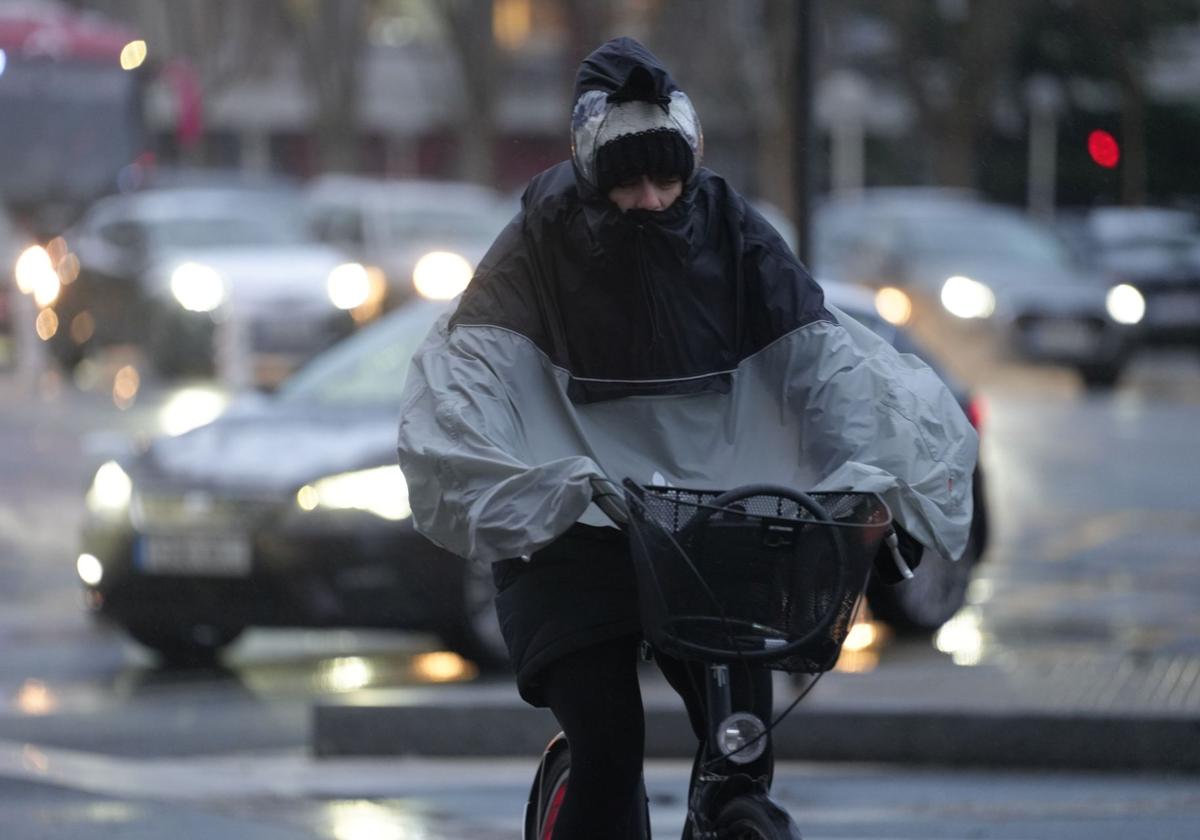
198,288
380,490
741,737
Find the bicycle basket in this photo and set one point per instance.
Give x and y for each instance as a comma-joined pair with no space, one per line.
752,574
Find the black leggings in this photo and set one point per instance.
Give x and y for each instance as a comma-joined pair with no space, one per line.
595,696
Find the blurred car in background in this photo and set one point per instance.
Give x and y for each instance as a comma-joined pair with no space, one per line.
938,590
1157,251
9,252
949,265
164,269
422,237
290,510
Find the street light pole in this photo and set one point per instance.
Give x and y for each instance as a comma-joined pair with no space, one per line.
1044,98
802,129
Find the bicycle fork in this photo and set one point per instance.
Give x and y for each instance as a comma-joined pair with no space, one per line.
733,739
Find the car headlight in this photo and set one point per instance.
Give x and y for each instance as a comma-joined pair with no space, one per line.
441,275
36,275
198,288
967,298
348,286
1125,304
111,490
380,490
893,305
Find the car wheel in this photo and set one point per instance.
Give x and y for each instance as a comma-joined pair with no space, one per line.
922,604
475,631
185,644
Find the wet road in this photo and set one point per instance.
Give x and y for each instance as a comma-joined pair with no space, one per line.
1095,514
273,797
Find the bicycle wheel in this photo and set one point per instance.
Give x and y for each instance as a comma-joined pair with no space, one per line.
755,817
552,791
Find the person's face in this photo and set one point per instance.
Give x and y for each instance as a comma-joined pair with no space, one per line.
646,192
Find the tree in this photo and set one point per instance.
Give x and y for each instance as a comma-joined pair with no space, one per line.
468,24
952,57
330,36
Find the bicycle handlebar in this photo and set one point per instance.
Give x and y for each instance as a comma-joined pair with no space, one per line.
609,498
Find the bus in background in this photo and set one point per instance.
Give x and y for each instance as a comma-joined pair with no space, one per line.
72,87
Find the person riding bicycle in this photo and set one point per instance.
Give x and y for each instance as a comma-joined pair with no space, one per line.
638,318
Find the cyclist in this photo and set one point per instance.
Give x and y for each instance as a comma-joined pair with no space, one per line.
638,318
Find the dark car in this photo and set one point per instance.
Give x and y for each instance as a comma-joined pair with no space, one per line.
290,510
938,590
978,280
1156,250
164,268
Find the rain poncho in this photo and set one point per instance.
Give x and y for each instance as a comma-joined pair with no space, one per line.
686,347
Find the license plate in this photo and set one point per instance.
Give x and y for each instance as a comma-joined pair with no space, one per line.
201,555
1065,337
1174,309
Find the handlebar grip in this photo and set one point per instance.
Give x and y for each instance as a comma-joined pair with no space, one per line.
610,500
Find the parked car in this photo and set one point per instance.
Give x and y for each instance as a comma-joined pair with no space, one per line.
290,510
162,268
972,275
423,236
1157,251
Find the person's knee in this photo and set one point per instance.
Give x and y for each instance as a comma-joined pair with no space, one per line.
611,744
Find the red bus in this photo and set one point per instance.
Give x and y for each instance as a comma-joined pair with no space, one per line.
71,117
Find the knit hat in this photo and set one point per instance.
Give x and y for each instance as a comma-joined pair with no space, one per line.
637,123
657,152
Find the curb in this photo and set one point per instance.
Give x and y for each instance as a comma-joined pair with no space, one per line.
1015,739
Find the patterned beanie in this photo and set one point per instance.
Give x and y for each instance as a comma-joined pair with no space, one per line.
635,131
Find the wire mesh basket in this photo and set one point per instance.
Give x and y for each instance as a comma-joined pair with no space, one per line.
759,573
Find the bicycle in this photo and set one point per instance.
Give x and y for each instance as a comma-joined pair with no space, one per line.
755,576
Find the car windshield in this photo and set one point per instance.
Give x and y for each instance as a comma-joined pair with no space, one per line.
433,225
985,236
369,368
262,224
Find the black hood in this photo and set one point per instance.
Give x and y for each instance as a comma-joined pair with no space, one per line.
610,68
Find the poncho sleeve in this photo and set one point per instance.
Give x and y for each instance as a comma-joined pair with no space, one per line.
881,421
474,487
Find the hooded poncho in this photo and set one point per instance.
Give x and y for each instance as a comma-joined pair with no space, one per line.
686,347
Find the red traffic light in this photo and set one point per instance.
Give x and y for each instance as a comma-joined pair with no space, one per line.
1104,149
